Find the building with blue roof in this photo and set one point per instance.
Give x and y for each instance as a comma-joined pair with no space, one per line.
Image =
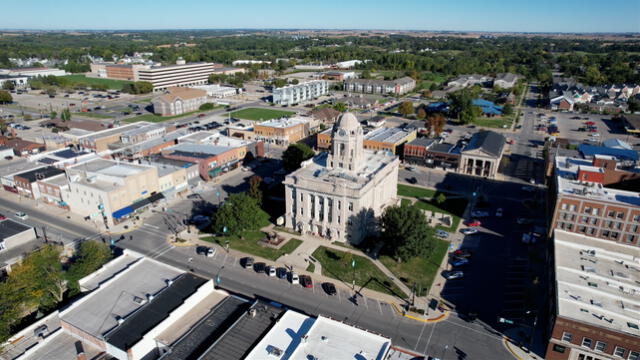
489,108
589,151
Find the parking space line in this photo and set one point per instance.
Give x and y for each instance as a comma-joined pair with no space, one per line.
379,307
364,298
338,293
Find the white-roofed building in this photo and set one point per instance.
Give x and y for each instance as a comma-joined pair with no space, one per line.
298,93
283,131
299,337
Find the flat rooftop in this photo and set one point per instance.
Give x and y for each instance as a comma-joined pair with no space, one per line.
568,183
238,340
598,282
109,270
109,168
119,297
63,345
316,169
135,326
115,131
211,327
283,123
300,337
9,228
198,150
388,135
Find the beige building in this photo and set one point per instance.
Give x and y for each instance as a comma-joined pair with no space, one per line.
282,131
337,195
110,191
481,157
179,74
179,100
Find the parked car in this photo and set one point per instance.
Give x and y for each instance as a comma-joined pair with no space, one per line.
271,271
259,267
469,231
294,278
442,234
499,212
202,115
456,261
479,213
305,281
450,275
211,252
524,221
2,217
329,288
247,262
528,189
281,273
21,215
462,253
473,222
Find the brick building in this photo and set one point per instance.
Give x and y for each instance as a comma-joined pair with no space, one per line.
586,201
389,139
428,152
593,299
282,131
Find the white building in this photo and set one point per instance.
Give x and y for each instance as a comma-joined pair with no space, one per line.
295,94
249,62
19,82
338,195
180,74
35,72
348,64
218,91
299,337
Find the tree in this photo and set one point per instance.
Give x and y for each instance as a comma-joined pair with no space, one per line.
278,83
436,123
8,85
406,108
295,81
255,191
405,232
207,106
295,155
138,87
342,107
91,255
461,106
422,114
507,109
240,212
65,115
366,74
40,279
634,105
53,115
441,198
5,97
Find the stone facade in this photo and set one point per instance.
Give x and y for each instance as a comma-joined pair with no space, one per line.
337,195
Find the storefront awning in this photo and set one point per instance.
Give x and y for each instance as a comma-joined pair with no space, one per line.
122,212
155,197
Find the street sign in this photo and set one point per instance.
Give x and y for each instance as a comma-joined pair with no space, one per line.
505,321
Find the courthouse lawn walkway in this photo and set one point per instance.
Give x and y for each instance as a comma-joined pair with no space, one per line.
250,244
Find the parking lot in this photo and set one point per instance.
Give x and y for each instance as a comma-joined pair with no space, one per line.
596,128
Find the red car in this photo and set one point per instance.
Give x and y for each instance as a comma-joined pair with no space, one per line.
2,217
592,130
473,222
305,281
202,115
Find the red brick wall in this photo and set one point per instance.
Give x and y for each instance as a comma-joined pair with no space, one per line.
580,330
591,176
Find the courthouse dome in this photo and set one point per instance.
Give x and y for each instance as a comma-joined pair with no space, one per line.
348,122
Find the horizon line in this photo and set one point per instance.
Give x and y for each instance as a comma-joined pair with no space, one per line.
321,29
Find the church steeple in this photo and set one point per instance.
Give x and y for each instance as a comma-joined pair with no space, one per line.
347,151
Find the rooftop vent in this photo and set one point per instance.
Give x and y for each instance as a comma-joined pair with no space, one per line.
150,297
120,320
138,300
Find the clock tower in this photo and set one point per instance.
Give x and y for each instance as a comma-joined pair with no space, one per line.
347,151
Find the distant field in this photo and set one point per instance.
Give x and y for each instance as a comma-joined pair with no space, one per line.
112,84
256,114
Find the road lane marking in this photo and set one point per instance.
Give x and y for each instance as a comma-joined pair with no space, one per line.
429,340
379,307
163,252
338,293
151,226
424,325
365,302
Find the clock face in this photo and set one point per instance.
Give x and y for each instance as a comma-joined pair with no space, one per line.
341,132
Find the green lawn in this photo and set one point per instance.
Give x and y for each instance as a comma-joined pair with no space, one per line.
256,114
452,206
418,270
143,101
156,118
311,268
250,244
337,264
81,79
93,115
494,122
412,191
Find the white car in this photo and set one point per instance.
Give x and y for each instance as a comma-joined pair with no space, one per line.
271,271
22,216
211,252
469,231
294,278
499,212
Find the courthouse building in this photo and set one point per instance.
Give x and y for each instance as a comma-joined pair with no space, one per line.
338,194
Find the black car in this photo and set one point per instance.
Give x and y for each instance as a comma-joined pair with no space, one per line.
247,262
281,273
260,267
329,288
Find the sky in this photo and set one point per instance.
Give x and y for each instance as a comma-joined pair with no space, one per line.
456,15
